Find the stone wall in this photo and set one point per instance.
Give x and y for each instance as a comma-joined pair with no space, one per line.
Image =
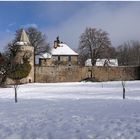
58,60
62,73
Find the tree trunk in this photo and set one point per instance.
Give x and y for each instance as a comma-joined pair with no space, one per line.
15,95
123,92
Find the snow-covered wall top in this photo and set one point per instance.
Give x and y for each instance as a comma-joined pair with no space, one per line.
88,62
102,62
109,62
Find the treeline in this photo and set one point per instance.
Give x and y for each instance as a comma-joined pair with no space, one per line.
128,53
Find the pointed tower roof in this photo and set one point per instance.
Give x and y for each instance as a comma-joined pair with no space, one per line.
24,40
24,37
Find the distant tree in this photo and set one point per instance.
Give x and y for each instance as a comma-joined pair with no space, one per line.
129,53
1,69
94,43
8,55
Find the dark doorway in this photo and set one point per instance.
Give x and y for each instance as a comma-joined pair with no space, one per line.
89,73
30,81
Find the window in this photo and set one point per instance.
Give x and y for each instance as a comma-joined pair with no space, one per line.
58,58
69,58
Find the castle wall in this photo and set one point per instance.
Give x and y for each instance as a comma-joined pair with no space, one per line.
62,73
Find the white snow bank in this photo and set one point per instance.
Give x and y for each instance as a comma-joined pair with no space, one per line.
71,110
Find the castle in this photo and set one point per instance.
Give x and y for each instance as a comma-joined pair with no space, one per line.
61,65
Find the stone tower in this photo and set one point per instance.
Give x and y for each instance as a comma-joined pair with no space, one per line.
25,48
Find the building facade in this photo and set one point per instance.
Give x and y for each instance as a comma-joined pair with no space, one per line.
60,54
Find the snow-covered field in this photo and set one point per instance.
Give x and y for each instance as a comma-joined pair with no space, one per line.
71,110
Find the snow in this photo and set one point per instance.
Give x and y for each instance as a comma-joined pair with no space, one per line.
109,62
21,43
88,62
63,49
71,110
45,55
103,62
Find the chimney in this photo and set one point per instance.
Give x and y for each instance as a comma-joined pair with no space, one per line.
56,42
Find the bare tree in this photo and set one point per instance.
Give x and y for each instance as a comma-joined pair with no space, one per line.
18,72
16,83
123,86
94,43
123,82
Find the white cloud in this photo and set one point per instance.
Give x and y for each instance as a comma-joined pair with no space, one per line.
11,24
122,23
8,31
29,25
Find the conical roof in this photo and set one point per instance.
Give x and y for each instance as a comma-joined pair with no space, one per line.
24,40
24,37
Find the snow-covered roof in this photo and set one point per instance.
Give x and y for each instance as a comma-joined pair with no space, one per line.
109,62
102,62
88,62
63,49
45,55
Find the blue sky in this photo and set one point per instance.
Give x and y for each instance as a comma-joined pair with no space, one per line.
69,19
